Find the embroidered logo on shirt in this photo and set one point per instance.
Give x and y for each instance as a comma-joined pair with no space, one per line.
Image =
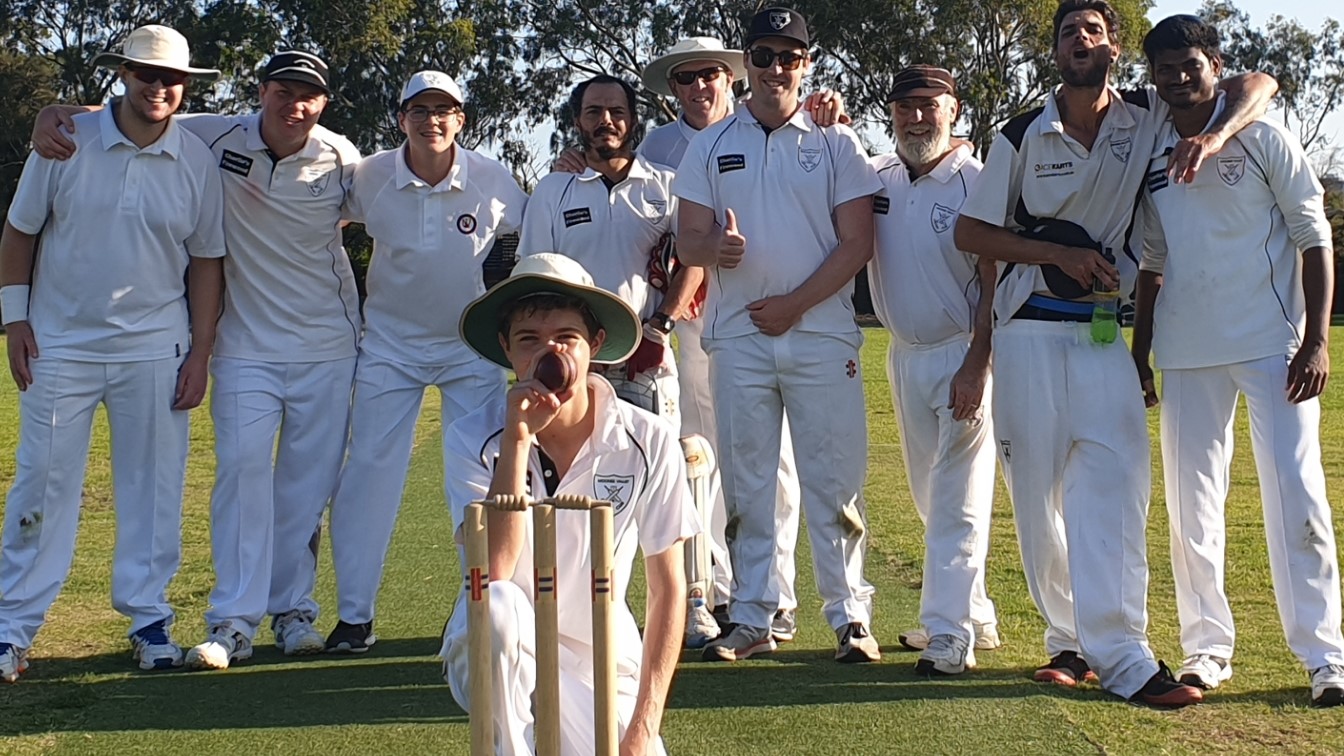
1121,149
235,163
881,205
809,158
575,217
658,204
617,489
732,163
318,184
941,217
466,223
1231,169
1051,170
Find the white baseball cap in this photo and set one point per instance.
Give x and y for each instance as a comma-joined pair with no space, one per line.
656,73
437,81
155,46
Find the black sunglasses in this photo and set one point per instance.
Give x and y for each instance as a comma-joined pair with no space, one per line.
686,78
164,76
764,57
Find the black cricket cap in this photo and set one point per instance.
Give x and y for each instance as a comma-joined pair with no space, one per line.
779,22
293,65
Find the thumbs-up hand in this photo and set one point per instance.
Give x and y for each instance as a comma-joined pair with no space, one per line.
731,243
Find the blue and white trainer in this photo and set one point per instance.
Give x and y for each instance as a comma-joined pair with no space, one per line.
154,648
13,662
222,647
295,634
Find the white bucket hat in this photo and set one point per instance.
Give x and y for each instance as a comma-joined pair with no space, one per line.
686,50
155,46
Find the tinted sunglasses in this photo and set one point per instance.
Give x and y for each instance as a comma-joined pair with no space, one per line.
686,78
764,57
161,75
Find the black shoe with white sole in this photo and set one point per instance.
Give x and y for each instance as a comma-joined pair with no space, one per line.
346,638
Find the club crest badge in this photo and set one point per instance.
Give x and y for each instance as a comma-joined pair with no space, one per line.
617,489
1231,169
941,217
779,19
1120,148
466,223
658,204
809,158
318,184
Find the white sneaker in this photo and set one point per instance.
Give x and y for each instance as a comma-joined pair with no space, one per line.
856,644
1327,685
946,655
295,634
742,643
221,648
13,662
986,638
1204,671
154,648
701,628
784,625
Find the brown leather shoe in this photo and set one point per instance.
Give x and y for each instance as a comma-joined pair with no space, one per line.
1164,691
1067,668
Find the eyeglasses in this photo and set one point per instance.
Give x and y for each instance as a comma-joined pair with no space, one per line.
420,115
686,78
162,75
764,57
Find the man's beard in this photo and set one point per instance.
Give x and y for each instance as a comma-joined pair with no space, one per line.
922,150
1092,77
604,151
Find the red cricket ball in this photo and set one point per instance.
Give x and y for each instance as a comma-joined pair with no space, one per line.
556,371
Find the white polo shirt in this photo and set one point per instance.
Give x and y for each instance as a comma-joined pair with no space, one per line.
1035,170
925,290
784,188
429,243
117,226
1229,246
611,233
665,145
632,459
289,292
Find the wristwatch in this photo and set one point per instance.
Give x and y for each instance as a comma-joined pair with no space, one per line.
661,322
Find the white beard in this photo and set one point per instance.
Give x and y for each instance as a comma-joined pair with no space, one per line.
918,151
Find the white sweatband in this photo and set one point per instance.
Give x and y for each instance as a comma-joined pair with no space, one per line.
14,302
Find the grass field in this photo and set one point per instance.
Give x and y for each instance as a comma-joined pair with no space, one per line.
83,695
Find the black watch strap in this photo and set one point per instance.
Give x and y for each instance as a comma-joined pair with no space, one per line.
662,322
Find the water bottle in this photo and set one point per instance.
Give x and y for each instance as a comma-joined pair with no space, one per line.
1105,309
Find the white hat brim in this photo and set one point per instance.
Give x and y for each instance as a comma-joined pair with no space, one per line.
656,73
112,60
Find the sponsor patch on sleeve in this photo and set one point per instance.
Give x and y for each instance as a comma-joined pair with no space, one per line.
235,163
881,205
732,163
578,215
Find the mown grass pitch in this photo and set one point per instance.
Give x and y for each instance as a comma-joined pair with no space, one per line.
83,694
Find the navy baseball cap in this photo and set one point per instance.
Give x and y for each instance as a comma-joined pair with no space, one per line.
779,22
293,65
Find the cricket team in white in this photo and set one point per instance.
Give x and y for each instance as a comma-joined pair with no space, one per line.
218,251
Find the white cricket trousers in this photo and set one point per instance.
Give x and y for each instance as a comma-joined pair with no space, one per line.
266,507
1073,440
149,459
950,465
697,417
382,432
514,678
1198,406
815,378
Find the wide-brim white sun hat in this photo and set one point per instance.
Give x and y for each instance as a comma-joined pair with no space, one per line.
550,273
657,72
155,46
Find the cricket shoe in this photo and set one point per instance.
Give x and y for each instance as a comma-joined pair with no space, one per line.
295,634
1066,668
742,643
856,644
946,654
986,638
13,662
1164,691
1327,686
347,638
701,627
222,647
784,625
154,648
1204,671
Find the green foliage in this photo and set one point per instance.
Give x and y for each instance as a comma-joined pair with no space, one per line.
26,83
